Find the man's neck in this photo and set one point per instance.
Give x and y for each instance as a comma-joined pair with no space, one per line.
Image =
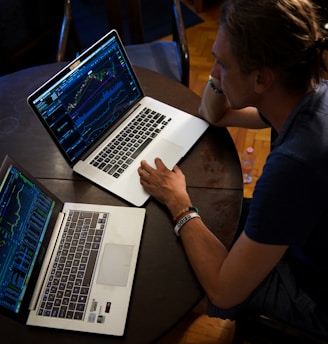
278,104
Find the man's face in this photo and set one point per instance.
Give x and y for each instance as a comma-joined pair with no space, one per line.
237,86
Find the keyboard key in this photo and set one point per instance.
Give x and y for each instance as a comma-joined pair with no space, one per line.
68,285
116,157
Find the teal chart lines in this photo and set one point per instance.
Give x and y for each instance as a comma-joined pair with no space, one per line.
82,108
99,98
23,220
113,95
101,76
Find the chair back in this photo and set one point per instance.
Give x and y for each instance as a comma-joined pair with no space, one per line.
126,17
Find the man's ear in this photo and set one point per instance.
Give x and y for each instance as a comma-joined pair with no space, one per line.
263,79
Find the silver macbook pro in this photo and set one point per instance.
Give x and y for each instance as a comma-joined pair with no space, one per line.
104,125
64,265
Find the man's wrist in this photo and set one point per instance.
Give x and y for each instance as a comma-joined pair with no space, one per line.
183,212
183,221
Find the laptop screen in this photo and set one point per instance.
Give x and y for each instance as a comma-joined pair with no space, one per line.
82,101
25,212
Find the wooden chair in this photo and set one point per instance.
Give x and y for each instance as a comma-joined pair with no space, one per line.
169,57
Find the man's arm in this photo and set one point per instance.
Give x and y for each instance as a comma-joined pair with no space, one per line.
228,277
215,109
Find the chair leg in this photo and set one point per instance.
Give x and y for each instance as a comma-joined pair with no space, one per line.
68,27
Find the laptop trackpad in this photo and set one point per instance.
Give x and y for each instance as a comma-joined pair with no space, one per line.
115,265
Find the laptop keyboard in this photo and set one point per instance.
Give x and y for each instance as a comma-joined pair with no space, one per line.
69,283
116,157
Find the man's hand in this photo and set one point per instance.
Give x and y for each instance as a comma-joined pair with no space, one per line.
168,187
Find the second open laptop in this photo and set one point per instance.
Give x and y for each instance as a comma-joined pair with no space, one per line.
64,265
104,125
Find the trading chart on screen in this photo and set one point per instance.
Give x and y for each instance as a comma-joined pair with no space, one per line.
81,106
24,215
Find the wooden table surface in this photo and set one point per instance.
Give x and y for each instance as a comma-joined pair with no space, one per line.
165,287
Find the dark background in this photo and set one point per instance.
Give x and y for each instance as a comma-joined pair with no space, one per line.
30,29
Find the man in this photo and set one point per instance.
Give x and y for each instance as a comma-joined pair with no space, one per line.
267,72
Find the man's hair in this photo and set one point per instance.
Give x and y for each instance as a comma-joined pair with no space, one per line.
280,34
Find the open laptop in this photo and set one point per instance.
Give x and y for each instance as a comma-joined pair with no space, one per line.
64,265
87,104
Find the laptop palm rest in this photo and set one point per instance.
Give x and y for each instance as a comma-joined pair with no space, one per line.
167,151
115,265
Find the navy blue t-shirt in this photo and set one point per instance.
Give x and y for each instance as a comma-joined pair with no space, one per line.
290,200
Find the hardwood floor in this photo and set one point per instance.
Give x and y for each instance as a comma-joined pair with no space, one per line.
196,326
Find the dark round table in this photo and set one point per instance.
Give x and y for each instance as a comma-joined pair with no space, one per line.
165,287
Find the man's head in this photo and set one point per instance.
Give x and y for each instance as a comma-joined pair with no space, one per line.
281,35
